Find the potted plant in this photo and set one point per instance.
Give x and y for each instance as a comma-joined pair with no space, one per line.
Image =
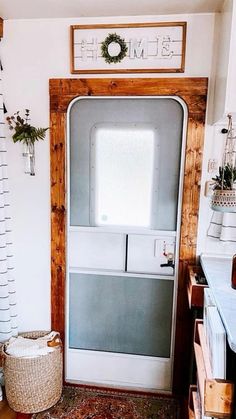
224,189
26,134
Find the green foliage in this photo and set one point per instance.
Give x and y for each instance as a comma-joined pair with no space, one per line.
226,177
113,37
24,132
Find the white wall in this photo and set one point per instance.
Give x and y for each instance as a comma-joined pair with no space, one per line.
213,148
33,52
222,52
225,67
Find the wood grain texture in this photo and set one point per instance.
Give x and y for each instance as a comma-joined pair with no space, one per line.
58,222
128,71
194,93
1,27
192,90
196,405
129,25
195,290
218,398
205,351
191,413
216,395
7,413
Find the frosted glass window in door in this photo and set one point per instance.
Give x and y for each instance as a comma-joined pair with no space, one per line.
123,162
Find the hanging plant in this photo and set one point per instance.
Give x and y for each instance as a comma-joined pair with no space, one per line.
26,134
224,195
23,131
114,48
226,178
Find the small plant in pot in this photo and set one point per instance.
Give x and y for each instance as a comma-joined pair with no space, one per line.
224,195
26,134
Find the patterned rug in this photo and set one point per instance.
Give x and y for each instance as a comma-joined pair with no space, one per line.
90,403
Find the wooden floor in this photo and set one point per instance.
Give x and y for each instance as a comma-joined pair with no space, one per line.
7,413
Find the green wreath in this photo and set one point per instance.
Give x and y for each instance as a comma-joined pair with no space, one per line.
113,37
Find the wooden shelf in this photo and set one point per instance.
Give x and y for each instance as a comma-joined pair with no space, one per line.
216,396
194,410
195,290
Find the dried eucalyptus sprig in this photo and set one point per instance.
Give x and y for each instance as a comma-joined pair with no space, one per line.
24,132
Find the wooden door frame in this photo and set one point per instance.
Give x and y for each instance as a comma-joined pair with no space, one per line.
193,91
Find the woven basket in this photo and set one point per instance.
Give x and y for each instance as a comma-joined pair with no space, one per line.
33,384
224,200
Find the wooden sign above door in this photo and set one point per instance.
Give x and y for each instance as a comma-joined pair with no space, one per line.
128,48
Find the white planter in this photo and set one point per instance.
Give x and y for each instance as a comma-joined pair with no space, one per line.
224,200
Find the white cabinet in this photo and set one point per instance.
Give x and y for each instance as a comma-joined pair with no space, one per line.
224,65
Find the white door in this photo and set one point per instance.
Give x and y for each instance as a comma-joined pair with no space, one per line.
124,188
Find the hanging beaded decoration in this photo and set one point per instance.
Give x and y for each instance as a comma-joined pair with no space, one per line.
224,195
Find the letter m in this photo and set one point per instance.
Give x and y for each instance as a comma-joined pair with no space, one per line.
138,48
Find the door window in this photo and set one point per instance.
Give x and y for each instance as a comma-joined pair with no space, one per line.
122,174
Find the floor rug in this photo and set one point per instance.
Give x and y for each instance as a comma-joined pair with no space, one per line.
90,403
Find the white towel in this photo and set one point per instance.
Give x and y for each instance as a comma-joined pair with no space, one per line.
223,226
29,348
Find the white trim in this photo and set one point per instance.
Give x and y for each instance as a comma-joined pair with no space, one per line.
158,370
108,272
119,230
